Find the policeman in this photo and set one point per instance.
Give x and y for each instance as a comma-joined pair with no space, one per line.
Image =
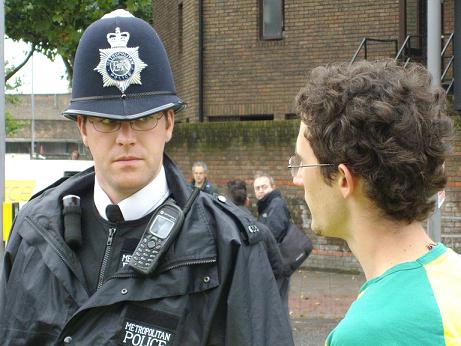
124,252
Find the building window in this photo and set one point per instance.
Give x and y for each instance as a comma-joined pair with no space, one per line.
271,19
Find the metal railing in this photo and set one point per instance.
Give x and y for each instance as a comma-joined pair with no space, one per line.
407,51
446,67
364,45
405,56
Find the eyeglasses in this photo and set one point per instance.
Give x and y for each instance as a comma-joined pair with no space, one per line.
107,125
294,164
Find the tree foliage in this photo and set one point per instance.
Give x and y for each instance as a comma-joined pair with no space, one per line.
54,27
11,124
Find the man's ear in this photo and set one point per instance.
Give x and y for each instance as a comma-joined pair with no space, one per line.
81,123
169,117
345,180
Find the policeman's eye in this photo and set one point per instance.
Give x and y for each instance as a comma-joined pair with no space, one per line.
106,121
145,119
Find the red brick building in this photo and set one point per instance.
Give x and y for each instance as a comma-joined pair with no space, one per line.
227,67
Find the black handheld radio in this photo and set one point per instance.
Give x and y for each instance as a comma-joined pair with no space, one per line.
160,232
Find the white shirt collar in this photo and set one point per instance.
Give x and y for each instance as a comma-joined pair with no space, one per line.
140,203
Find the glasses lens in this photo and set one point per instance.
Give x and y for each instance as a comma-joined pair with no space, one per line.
146,123
293,164
105,124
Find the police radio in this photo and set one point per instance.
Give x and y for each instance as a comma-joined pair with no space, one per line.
156,239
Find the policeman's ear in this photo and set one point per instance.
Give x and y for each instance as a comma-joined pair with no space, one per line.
169,124
81,123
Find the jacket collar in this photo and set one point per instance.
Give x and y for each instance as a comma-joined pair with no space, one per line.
45,212
264,202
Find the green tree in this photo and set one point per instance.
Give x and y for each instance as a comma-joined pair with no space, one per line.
11,124
54,27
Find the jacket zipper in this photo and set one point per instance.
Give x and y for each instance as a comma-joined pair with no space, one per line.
189,263
106,257
165,269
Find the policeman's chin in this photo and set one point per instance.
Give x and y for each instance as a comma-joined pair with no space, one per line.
131,179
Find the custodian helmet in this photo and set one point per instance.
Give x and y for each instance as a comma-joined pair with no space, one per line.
121,71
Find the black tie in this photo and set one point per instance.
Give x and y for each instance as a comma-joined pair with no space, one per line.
114,214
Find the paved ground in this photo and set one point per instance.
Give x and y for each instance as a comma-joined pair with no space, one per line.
318,301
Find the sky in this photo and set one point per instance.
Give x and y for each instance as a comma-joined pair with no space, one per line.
48,77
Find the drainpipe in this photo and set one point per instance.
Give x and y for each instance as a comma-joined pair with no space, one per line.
457,54
200,61
434,63
434,42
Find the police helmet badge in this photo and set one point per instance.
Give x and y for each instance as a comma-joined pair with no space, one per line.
120,66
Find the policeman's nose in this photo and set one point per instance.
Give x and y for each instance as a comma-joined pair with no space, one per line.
126,134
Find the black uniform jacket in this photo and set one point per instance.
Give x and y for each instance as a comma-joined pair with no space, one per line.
214,286
274,213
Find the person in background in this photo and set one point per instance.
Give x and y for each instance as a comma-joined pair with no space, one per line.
272,208
370,154
74,155
125,253
200,180
237,192
273,212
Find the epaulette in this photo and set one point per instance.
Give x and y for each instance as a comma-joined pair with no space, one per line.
249,230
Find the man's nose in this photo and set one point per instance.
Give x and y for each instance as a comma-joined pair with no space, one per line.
298,179
125,134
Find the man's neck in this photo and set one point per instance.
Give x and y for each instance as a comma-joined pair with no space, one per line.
379,246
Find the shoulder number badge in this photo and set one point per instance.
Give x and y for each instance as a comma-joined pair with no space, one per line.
120,66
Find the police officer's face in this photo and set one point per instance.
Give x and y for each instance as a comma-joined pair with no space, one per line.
126,160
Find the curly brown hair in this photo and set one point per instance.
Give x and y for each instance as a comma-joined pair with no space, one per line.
387,124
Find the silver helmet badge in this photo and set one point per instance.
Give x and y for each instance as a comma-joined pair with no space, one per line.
119,65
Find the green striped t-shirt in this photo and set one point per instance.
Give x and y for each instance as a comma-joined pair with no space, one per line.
414,303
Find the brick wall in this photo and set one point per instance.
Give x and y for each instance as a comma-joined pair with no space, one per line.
182,53
246,76
238,149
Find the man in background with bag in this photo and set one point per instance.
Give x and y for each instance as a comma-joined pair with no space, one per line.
273,211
